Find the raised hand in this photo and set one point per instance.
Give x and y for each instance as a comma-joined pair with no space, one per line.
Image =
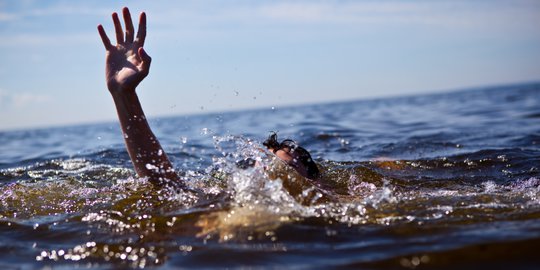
127,64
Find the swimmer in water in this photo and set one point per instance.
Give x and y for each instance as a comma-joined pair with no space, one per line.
294,155
126,65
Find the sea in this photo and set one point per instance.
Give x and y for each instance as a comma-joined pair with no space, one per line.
433,181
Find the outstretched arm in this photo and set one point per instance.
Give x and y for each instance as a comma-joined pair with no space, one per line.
127,64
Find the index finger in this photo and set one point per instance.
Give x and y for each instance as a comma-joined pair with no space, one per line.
104,37
141,32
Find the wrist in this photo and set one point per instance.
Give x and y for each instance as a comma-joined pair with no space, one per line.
125,99
128,107
120,92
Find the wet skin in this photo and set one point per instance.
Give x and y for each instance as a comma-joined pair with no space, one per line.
294,155
126,65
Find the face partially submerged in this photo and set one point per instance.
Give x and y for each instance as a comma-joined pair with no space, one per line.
294,155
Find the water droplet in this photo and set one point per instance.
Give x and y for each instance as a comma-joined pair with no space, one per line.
415,261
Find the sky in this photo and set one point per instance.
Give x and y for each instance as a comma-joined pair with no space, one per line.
212,56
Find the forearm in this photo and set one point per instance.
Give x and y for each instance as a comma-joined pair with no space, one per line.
144,149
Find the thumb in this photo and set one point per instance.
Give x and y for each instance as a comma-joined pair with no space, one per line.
144,56
146,59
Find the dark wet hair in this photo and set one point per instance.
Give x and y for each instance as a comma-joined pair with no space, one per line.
302,155
272,142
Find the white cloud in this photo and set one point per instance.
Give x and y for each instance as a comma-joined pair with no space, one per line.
211,18
4,17
465,18
67,10
57,9
26,39
439,12
3,97
21,100
459,15
26,99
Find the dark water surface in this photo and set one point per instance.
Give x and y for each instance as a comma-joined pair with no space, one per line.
442,181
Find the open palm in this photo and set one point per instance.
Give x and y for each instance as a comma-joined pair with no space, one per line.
127,64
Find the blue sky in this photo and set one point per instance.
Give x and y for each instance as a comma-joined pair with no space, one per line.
213,56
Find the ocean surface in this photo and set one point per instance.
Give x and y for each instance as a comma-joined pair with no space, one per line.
446,181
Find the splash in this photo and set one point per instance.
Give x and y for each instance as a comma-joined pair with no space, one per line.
123,219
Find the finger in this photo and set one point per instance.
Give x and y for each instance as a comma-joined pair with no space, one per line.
141,33
144,56
118,29
129,25
104,37
146,60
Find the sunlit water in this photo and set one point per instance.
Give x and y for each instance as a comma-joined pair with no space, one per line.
448,180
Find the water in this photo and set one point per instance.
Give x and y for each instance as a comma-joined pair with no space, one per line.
448,180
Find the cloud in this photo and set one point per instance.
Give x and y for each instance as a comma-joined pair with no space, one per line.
26,99
465,18
3,97
314,12
215,18
4,17
21,100
66,10
30,10
436,12
26,39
